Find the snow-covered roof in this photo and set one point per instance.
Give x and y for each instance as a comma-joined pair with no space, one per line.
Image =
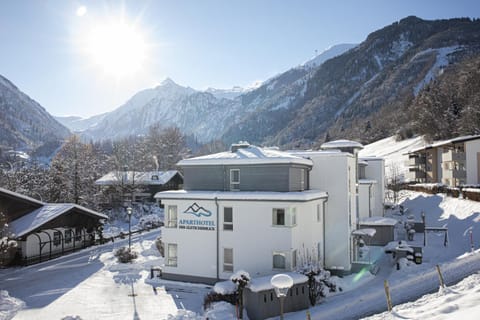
445,142
367,181
137,177
21,196
44,214
246,155
378,221
369,232
263,283
338,144
307,195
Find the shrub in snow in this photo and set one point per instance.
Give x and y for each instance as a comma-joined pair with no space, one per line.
319,282
240,279
124,255
213,296
8,248
160,246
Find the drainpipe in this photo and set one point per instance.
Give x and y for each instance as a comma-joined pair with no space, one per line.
370,200
218,240
324,252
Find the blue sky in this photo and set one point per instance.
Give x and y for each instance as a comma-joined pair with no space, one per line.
197,43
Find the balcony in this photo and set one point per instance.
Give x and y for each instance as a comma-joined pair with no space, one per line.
416,161
452,155
417,174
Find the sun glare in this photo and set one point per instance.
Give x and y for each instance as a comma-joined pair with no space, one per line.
117,48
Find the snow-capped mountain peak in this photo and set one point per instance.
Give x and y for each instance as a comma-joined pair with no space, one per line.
329,53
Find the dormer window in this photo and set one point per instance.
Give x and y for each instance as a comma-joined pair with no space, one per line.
234,179
155,177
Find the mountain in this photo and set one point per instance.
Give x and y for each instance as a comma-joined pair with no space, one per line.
203,114
79,124
24,124
226,93
169,104
329,53
365,93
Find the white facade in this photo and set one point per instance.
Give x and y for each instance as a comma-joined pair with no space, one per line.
375,171
367,196
335,173
472,150
252,234
208,235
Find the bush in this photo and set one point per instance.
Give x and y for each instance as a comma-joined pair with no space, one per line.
124,255
212,297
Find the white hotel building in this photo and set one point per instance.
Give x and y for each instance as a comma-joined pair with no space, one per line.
263,211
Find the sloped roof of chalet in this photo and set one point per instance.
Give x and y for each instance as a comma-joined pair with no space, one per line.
245,156
21,196
37,218
445,142
137,177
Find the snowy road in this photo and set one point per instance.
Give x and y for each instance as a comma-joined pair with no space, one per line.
90,285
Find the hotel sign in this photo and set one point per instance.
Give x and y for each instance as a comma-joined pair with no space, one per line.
199,218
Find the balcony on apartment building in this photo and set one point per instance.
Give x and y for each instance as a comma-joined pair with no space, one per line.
453,155
417,174
415,160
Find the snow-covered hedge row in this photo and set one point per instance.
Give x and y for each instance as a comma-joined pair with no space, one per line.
471,192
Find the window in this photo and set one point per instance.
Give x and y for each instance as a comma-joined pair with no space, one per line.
172,217
57,237
227,218
294,259
155,177
78,234
278,217
279,260
172,255
227,259
235,179
68,236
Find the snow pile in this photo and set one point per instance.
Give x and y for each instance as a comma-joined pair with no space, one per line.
458,302
9,306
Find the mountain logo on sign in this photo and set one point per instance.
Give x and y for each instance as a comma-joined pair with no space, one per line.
198,211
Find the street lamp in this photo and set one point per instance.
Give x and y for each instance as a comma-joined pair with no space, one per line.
281,283
129,213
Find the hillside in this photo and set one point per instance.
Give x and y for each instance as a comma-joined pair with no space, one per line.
364,94
26,125
205,115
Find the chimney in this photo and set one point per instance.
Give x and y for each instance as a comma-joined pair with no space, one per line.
240,145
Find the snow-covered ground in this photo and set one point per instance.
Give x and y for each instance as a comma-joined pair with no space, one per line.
91,284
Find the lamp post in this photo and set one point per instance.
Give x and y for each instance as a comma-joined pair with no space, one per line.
281,283
129,213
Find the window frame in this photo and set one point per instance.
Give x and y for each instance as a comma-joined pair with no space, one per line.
281,254
171,261
172,223
227,225
234,185
228,266
68,239
275,220
57,238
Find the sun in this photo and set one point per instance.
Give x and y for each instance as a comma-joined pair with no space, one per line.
117,48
